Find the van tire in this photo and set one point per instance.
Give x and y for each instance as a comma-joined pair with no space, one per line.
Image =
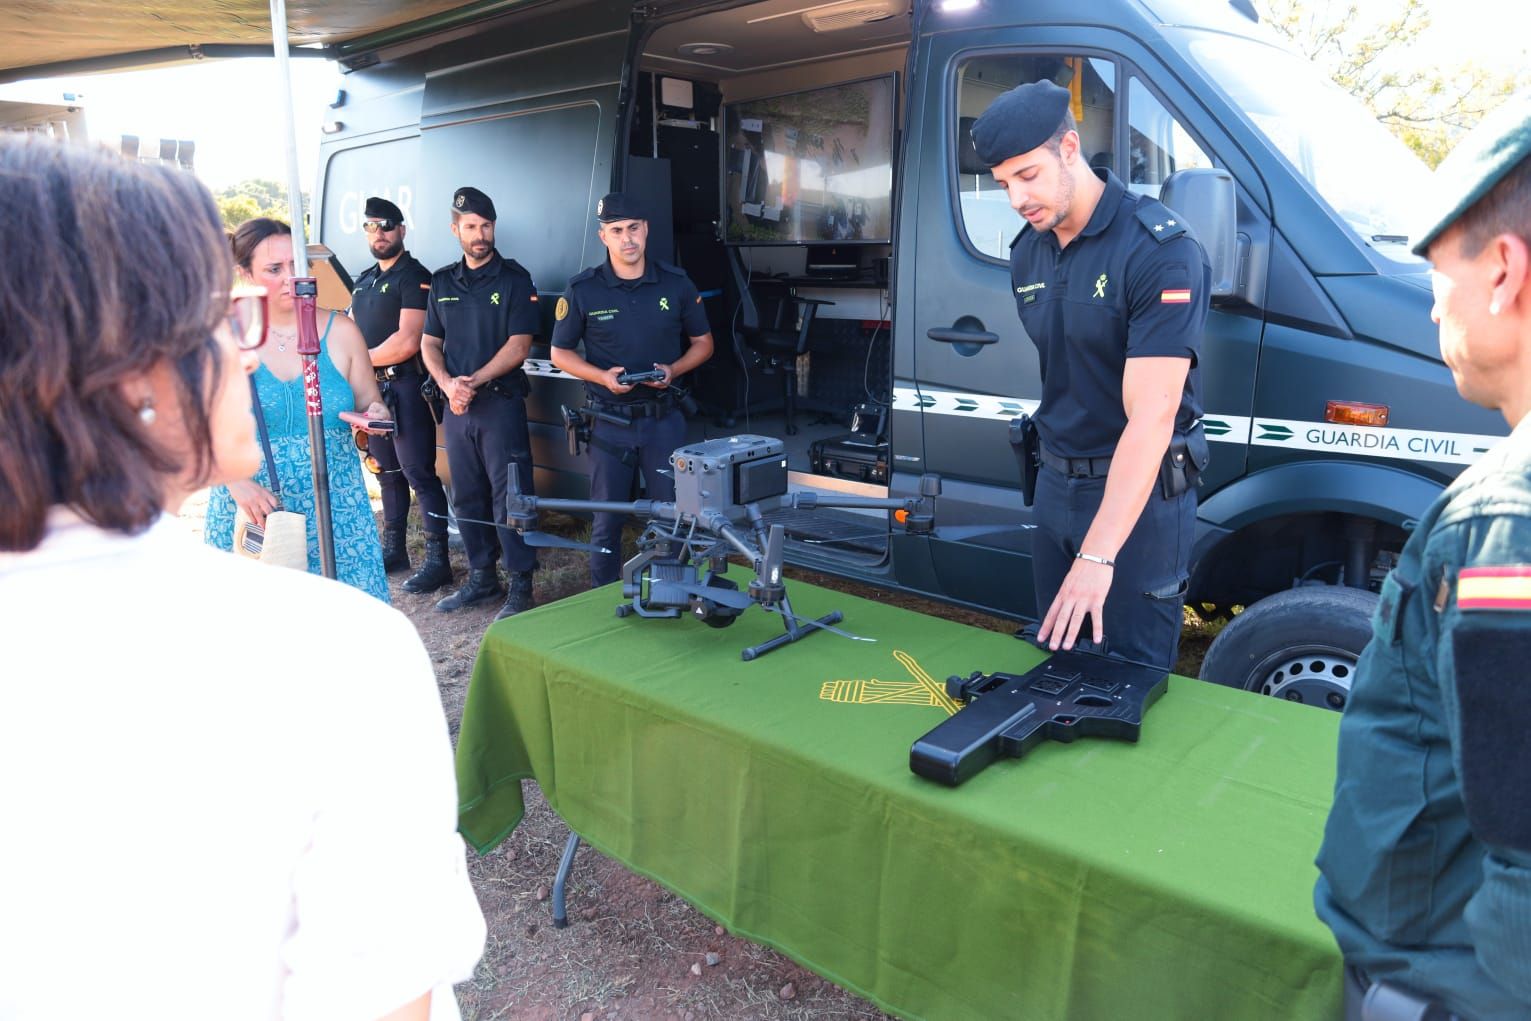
1302,645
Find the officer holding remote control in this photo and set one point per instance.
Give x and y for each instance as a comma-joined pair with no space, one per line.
637,317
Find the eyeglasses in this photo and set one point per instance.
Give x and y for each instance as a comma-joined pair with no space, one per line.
247,317
374,226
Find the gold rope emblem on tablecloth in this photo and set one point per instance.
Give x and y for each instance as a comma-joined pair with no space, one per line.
921,689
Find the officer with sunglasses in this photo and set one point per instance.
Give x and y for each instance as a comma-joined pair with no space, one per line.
388,304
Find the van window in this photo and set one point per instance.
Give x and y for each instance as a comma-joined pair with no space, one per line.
1157,143
987,218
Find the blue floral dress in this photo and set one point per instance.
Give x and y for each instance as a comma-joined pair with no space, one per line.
358,554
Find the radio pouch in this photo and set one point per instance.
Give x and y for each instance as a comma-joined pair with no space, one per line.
1184,461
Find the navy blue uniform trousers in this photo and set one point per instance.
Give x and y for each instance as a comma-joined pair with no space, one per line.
408,457
1143,613
480,444
652,441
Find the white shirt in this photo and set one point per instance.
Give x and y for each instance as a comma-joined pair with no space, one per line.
206,816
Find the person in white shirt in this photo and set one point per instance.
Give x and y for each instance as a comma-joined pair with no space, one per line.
226,788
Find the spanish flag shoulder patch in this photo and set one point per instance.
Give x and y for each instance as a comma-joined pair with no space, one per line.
1495,588
1181,296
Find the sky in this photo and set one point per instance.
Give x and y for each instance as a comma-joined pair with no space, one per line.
232,108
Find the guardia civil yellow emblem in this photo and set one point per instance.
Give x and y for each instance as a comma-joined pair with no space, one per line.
562,308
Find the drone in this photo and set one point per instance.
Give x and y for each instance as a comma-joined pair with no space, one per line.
724,488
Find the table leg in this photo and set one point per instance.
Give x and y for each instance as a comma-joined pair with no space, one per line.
565,866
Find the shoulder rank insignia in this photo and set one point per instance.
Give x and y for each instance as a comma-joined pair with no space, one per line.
1494,588
1157,219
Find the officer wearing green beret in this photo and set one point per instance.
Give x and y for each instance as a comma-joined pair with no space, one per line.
1426,861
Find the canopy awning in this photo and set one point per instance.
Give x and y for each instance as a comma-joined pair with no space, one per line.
52,37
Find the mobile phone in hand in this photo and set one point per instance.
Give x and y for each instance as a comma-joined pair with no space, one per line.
371,425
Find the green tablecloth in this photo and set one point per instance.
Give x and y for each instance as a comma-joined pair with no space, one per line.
1167,879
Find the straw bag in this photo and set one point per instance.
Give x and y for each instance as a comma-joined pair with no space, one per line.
283,540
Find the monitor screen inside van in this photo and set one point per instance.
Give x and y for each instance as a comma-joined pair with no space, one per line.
811,167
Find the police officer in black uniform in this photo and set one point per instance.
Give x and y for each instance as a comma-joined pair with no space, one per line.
388,304
1113,290
634,314
478,330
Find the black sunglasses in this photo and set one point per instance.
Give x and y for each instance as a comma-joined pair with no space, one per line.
386,226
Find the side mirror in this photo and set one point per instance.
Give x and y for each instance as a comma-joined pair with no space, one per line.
1205,200
335,284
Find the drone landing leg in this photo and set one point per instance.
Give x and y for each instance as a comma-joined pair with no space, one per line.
795,631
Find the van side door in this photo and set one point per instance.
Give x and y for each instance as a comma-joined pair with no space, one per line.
975,368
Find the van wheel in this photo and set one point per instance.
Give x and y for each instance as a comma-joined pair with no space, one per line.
1301,645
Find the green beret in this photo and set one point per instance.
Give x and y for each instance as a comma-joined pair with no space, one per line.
1019,121
1480,160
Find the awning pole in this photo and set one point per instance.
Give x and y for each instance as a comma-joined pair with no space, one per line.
305,292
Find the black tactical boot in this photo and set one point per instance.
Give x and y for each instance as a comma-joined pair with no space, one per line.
395,556
481,585
436,570
520,597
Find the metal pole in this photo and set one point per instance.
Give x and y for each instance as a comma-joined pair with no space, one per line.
305,291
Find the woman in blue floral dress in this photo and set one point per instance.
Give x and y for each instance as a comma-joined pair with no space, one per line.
263,252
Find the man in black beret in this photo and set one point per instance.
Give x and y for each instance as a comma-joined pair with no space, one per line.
1113,290
1425,869
634,314
388,304
478,330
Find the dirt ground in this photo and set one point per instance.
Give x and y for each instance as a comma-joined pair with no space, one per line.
632,949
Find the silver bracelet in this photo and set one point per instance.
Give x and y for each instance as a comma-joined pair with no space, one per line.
1092,558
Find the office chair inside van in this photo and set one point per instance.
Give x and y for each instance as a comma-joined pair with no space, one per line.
777,347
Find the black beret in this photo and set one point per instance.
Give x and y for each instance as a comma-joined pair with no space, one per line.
618,206
1482,159
471,200
1019,121
382,209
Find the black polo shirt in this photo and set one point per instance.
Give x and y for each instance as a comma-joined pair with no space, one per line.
475,311
379,296
631,323
1133,284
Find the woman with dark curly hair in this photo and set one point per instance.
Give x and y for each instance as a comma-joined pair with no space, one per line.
211,808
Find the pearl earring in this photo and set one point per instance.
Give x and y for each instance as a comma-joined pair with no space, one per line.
1493,308
146,412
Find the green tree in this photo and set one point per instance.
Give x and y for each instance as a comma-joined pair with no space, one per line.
1427,107
239,202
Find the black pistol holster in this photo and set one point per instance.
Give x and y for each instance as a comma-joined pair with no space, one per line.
1026,444
434,399
1184,461
577,424
576,428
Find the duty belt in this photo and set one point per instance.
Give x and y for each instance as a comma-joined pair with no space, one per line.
636,409
513,385
388,373
1075,467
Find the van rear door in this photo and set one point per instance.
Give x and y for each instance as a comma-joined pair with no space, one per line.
525,109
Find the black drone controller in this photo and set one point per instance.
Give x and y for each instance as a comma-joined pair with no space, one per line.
634,378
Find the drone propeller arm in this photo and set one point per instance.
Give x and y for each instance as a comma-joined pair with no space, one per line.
920,510
720,526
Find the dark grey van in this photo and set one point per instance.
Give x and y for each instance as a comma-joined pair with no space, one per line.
799,154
